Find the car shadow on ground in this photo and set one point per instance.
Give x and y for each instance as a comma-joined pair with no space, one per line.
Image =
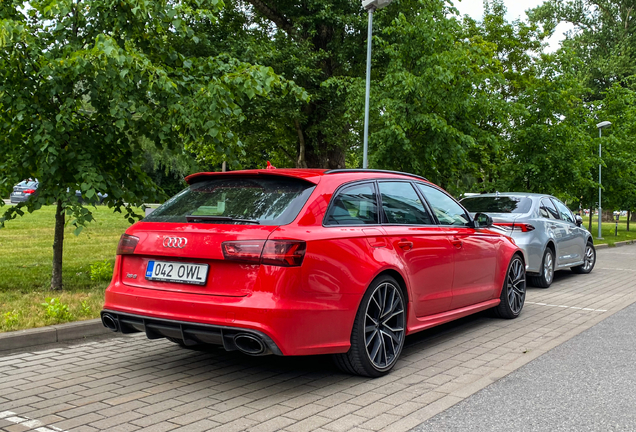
243,366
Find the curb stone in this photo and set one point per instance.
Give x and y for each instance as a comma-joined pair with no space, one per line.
52,334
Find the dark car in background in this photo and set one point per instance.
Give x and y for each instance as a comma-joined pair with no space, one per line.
23,191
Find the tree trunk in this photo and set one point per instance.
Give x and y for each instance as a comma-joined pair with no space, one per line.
58,247
608,216
629,216
590,221
301,162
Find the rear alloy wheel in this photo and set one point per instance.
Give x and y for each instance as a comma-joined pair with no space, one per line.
513,293
544,280
589,261
378,332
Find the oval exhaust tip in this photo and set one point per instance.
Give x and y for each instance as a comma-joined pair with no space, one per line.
248,344
109,322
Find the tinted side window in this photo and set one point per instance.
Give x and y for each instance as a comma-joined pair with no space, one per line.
564,212
548,210
446,209
402,205
354,205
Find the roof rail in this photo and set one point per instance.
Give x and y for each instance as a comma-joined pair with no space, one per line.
354,170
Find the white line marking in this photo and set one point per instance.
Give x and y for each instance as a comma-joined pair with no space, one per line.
618,269
27,422
567,307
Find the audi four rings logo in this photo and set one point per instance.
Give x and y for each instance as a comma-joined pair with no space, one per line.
175,242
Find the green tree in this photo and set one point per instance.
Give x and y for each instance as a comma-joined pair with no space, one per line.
81,83
603,37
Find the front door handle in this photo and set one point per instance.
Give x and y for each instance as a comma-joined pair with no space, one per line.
457,242
405,244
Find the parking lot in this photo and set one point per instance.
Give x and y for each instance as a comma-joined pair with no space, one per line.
130,383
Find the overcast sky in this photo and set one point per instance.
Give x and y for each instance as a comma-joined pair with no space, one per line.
516,9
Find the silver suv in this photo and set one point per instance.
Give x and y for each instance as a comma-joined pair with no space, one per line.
551,237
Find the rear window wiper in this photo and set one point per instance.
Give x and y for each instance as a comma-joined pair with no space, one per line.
204,218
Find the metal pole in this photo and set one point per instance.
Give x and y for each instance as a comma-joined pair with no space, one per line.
365,162
600,210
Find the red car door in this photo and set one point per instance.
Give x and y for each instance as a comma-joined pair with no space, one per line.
475,250
422,246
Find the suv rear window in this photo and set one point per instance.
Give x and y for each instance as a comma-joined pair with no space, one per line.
501,204
242,200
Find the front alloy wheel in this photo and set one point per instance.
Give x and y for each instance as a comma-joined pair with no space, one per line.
378,331
513,293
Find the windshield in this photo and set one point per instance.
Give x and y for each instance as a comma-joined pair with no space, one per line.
262,200
500,204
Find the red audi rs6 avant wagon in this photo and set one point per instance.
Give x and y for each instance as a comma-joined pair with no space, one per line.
299,262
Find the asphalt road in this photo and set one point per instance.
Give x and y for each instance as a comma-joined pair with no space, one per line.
586,384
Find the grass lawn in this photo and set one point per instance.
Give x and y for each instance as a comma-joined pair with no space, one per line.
26,255
608,229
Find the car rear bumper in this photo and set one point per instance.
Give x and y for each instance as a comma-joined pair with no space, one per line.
532,249
189,333
18,198
304,325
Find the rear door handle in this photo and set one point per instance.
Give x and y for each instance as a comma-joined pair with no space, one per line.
405,244
457,242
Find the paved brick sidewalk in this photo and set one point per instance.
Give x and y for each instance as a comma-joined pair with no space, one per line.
130,383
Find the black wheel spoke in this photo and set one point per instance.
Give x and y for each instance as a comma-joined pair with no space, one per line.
516,285
384,330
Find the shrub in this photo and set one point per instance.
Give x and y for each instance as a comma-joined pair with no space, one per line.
56,310
10,319
101,271
85,308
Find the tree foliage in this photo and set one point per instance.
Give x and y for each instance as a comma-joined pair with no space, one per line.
84,82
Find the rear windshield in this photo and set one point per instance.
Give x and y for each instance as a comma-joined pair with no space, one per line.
28,183
238,200
501,204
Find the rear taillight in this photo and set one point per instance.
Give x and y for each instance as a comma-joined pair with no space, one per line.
245,251
29,191
127,244
285,253
519,227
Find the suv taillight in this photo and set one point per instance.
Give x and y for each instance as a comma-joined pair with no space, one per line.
127,244
285,253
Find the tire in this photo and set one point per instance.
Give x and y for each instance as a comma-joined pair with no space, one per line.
381,326
513,292
590,260
545,279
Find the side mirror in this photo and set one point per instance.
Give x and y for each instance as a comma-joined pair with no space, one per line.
578,220
482,220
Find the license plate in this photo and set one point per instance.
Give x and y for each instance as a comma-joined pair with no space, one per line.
178,272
